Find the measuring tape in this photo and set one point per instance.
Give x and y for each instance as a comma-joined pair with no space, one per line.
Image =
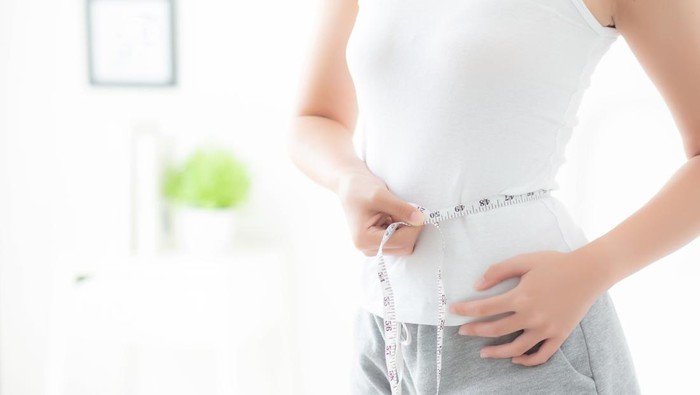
434,217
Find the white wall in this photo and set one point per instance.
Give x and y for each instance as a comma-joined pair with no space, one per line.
64,159
28,184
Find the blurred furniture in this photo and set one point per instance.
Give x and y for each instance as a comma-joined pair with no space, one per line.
178,325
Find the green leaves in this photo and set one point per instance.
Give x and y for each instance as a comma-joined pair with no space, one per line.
210,178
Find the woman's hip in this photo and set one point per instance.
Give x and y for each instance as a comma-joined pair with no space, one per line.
594,359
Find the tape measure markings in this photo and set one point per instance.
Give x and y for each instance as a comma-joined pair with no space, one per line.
433,217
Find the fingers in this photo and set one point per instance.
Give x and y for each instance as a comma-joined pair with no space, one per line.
512,267
493,328
517,347
401,242
384,209
492,305
546,350
400,210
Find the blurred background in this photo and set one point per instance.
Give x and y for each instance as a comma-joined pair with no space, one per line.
155,238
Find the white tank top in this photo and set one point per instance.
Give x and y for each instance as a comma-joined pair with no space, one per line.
461,99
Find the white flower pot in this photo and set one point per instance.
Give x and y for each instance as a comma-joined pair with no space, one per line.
203,231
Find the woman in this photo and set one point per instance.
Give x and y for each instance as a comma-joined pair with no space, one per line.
466,107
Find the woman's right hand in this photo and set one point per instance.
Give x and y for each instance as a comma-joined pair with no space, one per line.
370,208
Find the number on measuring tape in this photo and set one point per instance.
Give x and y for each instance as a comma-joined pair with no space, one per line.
434,218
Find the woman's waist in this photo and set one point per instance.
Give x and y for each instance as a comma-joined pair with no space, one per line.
471,245
542,223
444,188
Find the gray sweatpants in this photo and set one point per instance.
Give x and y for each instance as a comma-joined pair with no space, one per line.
594,359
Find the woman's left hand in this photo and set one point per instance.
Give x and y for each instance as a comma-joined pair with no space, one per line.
555,291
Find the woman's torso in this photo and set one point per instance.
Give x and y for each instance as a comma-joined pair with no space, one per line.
462,99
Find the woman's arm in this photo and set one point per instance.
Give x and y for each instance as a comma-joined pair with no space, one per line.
556,289
320,139
665,37
670,220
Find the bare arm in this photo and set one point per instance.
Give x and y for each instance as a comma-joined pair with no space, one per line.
320,140
665,37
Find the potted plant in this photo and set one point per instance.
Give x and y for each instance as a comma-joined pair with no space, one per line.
203,194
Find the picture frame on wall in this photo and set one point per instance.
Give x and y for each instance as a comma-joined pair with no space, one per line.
131,42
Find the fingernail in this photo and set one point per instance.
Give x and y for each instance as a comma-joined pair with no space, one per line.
416,217
483,354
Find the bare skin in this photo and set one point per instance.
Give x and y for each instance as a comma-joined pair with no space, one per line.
602,10
556,289
320,141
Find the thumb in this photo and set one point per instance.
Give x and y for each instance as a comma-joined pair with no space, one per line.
399,209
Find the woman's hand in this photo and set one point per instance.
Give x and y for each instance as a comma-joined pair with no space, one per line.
370,207
555,291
